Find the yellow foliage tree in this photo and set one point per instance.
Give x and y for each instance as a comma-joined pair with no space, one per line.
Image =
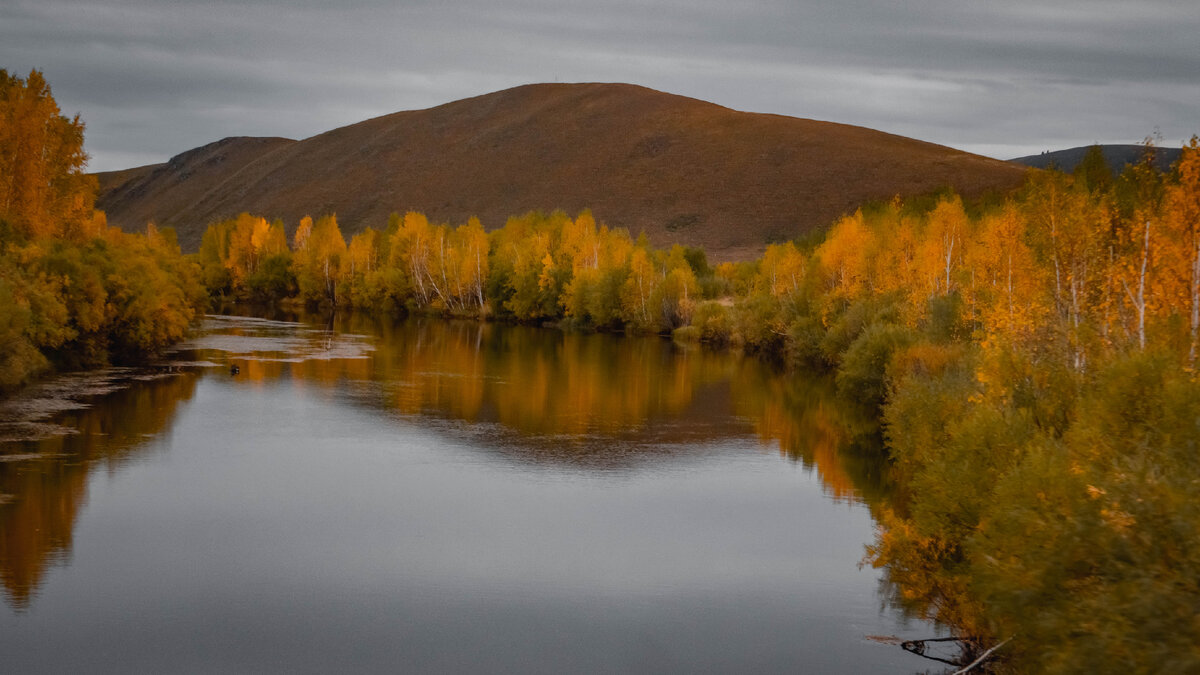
410,251
471,242
1072,229
1182,223
318,261
782,270
639,288
1008,294
844,259
942,249
676,295
580,247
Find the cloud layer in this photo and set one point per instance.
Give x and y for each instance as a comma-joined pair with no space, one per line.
156,77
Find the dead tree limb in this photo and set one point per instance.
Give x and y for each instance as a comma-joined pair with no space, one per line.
982,657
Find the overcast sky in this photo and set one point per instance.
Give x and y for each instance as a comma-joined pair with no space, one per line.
1003,78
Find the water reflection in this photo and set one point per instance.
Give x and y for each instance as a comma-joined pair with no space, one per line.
43,481
590,402
564,397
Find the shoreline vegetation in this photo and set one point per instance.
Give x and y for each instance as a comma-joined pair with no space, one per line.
1031,360
74,292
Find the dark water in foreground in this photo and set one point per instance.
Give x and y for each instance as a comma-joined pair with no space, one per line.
440,497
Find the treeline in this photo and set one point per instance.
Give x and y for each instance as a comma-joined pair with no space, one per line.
73,291
1088,265
536,268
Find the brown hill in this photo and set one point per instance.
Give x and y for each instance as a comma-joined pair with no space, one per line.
166,193
680,169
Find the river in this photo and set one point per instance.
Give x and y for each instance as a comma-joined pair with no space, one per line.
443,497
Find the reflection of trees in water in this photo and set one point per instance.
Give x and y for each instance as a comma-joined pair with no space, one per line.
36,524
534,381
43,496
604,401
802,412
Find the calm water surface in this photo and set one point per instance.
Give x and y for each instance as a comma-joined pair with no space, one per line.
439,497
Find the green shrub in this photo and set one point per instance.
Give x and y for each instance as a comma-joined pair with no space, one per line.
862,375
846,327
712,323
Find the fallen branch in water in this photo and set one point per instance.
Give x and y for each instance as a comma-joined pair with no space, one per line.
982,657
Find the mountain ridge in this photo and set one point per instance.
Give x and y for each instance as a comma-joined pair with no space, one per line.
680,169
1116,155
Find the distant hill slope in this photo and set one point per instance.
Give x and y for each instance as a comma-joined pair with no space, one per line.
165,193
1117,157
680,169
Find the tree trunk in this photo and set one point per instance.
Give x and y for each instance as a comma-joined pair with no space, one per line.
1142,289
478,277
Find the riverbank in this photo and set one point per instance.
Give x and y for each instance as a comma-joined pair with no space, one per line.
90,301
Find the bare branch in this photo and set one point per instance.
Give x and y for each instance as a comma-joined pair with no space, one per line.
982,657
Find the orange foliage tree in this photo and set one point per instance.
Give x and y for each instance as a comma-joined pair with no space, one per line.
44,191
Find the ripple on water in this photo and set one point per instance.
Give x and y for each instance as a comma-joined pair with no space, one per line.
269,340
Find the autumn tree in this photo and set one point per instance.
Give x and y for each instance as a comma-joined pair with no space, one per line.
677,293
1072,235
1008,292
639,289
1140,193
945,232
74,292
410,252
360,271
782,270
900,260
246,242
320,249
1182,225
844,259
43,189
471,244
531,270
580,243
273,277
593,295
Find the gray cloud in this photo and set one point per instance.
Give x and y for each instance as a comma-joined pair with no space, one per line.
155,77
